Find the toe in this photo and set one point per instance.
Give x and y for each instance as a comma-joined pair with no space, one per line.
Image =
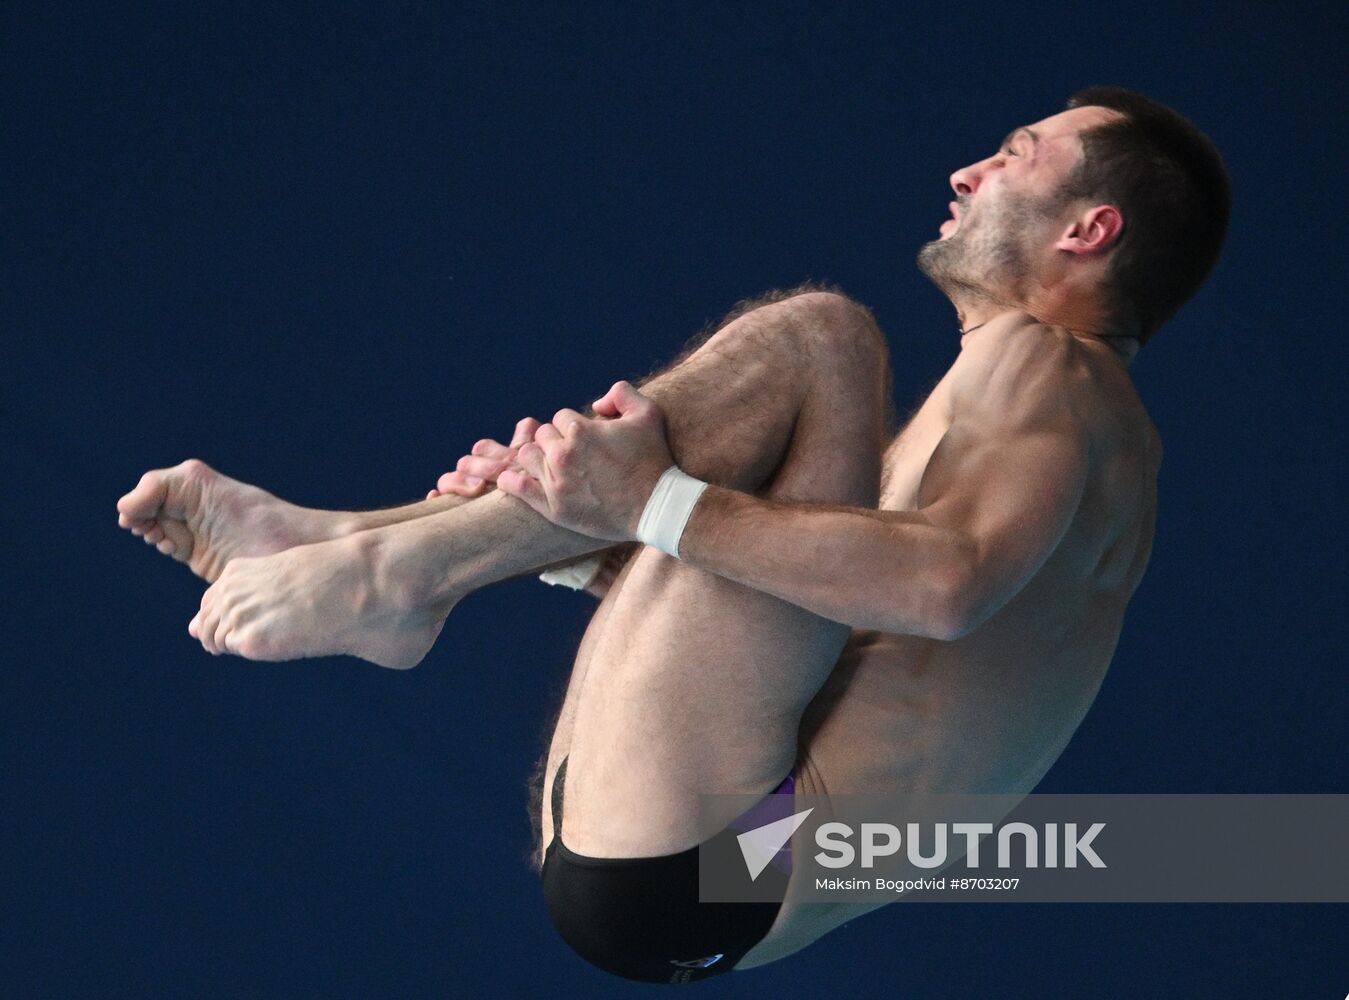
177,533
147,498
206,620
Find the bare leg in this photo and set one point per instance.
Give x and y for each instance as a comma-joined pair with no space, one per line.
204,519
671,644
731,408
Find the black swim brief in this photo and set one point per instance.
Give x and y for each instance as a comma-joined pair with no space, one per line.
640,918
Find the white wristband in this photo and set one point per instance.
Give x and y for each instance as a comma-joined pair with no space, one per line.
668,510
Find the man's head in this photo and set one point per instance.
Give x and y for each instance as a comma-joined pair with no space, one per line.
1106,216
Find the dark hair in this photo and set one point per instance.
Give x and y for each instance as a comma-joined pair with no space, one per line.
1171,186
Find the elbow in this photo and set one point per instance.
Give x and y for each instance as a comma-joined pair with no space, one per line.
955,607
945,600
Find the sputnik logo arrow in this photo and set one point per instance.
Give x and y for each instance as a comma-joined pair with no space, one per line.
760,845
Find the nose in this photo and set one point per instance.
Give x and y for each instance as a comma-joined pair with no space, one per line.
965,181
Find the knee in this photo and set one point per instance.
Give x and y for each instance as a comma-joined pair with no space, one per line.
822,312
844,327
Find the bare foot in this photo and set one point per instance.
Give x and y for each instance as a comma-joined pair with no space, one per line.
205,519
328,598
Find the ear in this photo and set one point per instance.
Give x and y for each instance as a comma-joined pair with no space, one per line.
1094,231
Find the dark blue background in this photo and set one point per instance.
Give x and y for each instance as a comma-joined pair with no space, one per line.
326,249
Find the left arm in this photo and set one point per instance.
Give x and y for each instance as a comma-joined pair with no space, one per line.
939,571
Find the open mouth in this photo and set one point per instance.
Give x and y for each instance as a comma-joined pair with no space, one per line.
953,223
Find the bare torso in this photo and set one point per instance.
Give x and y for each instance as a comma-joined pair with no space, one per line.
992,710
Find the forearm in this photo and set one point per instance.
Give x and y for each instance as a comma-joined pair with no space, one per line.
888,570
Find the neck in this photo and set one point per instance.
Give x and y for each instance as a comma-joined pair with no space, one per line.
1080,322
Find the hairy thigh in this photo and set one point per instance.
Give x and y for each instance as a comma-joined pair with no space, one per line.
686,682
691,683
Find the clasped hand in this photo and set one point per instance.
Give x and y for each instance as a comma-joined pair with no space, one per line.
592,475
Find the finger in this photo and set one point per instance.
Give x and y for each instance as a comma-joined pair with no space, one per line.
471,467
621,398
524,432
489,448
547,432
554,450
627,399
531,459
518,483
568,421
432,494
605,406
458,484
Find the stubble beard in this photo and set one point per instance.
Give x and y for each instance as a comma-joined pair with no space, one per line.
986,262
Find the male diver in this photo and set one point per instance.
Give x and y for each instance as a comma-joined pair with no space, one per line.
793,596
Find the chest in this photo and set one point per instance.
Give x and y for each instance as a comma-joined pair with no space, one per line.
909,455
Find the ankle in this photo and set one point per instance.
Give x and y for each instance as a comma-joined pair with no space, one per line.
343,523
401,570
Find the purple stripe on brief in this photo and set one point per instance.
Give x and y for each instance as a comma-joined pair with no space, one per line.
777,804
